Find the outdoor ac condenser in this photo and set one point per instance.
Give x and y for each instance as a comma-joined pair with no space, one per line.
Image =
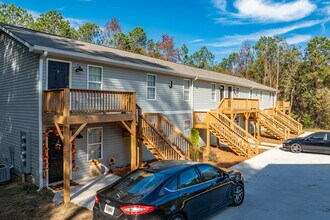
4,173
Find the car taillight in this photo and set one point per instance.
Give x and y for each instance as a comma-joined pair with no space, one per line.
137,209
97,199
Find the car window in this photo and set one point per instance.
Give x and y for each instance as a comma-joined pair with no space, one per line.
189,178
327,137
209,172
173,185
140,182
318,136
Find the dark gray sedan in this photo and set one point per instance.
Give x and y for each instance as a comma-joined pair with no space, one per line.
318,142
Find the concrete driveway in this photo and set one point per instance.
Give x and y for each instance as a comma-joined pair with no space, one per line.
282,185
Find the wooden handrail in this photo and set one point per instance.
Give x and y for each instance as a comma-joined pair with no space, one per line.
175,136
277,127
238,104
246,144
159,142
86,101
288,121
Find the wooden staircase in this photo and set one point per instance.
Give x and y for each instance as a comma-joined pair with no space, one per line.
164,140
274,127
240,141
294,126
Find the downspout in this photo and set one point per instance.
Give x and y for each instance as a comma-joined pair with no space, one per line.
41,72
192,99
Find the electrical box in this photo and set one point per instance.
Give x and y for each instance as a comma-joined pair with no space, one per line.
26,151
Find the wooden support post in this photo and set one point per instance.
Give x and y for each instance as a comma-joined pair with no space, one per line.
133,135
139,132
254,128
66,163
208,139
66,147
218,143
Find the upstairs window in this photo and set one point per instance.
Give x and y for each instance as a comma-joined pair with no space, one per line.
95,77
186,89
261,98
213,94
151,87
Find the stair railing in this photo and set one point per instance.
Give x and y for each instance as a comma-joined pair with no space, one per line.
175,136
277,127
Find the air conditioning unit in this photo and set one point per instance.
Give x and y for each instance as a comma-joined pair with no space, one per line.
4,173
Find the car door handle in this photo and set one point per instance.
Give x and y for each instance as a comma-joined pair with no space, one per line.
184,195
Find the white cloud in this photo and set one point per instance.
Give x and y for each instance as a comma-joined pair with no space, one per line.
299,38
271,11
264,11
75,22
220,4
34,14
196,40
235,40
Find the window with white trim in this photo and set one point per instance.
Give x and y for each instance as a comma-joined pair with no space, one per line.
187,127
261,98
94,143
186,89
151,87
213,94
94,77
237,92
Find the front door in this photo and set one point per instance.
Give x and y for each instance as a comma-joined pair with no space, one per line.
222,92
230,91
55,158
58,74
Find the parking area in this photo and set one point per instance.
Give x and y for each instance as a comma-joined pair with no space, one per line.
283,185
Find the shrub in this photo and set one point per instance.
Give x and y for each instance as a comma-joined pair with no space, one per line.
306,120
194,137
213,157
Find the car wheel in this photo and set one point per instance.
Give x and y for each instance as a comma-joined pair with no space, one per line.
296,148
238,194
178,216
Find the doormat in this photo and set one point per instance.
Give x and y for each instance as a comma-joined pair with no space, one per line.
59,186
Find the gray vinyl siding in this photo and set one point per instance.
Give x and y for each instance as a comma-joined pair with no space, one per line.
202,95
120,79
18,101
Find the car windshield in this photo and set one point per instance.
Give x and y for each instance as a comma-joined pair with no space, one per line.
140,182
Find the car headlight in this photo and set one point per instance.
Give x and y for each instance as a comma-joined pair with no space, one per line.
286,141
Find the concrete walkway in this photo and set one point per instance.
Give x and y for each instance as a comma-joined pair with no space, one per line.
84,193
283,185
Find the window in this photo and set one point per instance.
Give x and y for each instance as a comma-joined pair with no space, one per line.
188,178
208,172
186,89
270,97
261,98
187,126
94,143
213,95
151,87
251,93
94,77
138,183
237,92
173,185
318,136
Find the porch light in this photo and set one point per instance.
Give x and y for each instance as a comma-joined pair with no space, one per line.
79,69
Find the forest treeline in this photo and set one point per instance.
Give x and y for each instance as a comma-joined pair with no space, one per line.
301,76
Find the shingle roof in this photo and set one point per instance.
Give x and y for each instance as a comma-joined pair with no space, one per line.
35,38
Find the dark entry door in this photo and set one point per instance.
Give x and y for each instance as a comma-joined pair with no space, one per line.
55,158
230,91
58,74
222,92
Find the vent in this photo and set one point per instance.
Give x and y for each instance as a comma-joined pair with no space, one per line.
4,173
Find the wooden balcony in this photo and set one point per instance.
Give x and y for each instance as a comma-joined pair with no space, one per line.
284,106
238,105
76,106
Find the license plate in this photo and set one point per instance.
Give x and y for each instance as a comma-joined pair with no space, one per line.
109,209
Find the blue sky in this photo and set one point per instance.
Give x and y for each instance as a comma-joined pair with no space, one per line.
221,25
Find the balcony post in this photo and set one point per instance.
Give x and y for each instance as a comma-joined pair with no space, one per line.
133,135
66,147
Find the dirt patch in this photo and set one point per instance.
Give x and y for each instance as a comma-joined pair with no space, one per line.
21,201
227,157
